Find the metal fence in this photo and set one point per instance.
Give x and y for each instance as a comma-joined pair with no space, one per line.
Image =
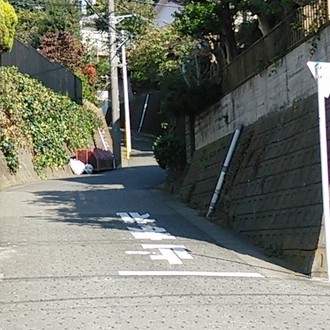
294,30
53,75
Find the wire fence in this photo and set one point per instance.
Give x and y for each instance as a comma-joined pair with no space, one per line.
295,29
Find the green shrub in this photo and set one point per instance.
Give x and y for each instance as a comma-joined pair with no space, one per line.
7,146
169,152
49,123
8,21
87,90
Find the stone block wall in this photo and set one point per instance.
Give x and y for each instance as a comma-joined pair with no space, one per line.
200,181
272,191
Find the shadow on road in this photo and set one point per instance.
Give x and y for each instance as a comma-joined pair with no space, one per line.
94,201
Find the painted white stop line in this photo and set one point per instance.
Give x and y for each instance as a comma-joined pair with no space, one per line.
188,273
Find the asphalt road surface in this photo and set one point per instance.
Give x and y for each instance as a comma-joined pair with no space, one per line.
112,251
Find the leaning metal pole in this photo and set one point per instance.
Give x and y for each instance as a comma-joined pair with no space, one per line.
115,107
223,172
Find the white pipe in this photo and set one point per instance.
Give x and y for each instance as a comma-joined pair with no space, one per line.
126,103
144,112
223,171
102,139
324,167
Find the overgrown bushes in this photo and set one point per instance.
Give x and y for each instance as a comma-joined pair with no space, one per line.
33,116
169,152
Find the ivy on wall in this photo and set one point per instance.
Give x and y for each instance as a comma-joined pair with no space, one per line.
33,116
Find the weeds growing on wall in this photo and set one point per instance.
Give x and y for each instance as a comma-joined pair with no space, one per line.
35,117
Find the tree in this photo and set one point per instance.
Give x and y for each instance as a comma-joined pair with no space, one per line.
157,53
143,15
63,48
212,21
223,24
31,26
63,16
8,21
33,5
176,66
49,16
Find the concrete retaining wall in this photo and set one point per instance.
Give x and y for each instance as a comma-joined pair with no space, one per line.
272,193
26,173
276,88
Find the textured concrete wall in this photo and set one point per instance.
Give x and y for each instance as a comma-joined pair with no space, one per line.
272,191
277,88
26,173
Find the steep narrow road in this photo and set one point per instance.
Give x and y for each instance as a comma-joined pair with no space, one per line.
111,251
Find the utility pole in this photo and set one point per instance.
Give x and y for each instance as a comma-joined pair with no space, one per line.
126,103
115,107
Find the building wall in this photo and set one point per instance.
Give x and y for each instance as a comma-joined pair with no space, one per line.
165,10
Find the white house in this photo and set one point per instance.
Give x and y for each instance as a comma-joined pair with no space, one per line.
165,10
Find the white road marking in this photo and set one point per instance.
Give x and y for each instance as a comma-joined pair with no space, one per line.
138,252
182,253
148,229
169,255
138,215
153,233
153,236
125,217
172,253
188,273
134,217
142,218
163,246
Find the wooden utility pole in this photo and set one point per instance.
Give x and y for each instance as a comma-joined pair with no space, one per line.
115,107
